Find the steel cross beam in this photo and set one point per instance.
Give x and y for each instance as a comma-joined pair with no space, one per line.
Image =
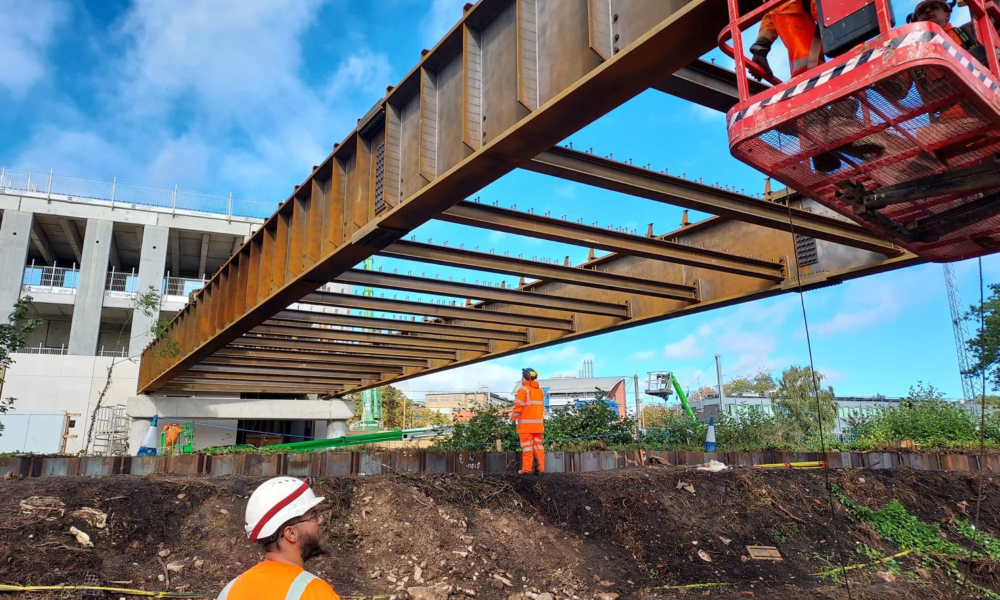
706,84
443,311
366,351
270,365
470,112
407,283
187,384
608,174
432,328
454,257
305,375
274,328
314,358
520,223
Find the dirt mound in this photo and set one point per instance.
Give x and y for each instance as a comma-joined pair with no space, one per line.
635,533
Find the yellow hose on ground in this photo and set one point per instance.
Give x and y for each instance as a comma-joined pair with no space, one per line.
691,586
130,592
126,591
852,567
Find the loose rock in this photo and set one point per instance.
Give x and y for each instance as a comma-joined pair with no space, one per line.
438,591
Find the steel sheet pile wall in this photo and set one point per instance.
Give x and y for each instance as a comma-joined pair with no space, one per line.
334,464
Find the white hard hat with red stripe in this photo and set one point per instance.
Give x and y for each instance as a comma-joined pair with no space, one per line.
275,502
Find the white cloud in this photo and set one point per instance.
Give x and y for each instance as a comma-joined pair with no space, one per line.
439,20
863,307
213,97
26,32
643,355
686,348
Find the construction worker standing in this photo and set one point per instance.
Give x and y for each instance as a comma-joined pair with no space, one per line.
281,515
529,414
795,23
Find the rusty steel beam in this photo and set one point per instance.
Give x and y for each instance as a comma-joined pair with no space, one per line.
469,259
372,370
608,174
407,283
205,370
443,311
188,385
210,373
340,335
321,358
547,228
361,350
430,327
706,84
471,111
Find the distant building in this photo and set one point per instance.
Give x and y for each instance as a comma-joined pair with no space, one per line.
459,406
847,407
561,392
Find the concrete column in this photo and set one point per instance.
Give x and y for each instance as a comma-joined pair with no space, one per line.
15,236
86,326
151,264
336,429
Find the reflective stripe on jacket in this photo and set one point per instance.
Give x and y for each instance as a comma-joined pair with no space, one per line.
272,580
529,408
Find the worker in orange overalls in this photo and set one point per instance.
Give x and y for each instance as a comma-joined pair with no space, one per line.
172,433
795,23
529,414
282,516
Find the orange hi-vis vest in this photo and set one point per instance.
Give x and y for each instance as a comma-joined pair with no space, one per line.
273,580
529,408
798,32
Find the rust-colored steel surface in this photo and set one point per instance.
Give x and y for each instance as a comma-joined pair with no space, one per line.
510,81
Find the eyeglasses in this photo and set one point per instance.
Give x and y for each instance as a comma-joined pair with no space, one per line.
315,517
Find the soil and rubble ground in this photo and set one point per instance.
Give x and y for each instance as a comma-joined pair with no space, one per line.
625,534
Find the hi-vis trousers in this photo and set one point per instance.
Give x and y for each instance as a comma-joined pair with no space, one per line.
532,448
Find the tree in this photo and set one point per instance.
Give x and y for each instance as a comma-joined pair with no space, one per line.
924,391
398,411
760,384
795,399
13,336
985,344
703,392
659,416
147,303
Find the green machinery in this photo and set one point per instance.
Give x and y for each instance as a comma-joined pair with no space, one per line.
371,399
183,441
662,384
360,439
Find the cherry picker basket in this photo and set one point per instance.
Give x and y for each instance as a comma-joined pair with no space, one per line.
900,133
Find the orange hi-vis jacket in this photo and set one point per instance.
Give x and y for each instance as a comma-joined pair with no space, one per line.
798,32
273,580
529,408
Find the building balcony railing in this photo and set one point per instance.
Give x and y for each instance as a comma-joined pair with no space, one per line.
64,280
76,189
181,286
39,349
53,280
116,353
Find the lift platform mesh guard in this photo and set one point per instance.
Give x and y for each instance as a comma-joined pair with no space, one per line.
899,134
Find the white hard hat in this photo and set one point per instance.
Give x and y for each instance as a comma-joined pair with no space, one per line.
275,502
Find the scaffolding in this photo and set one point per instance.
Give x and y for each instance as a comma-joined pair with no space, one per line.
111,431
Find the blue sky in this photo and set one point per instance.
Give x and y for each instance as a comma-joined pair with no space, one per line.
246,95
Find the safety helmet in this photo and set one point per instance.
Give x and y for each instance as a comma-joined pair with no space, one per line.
924,4
529,374
275,502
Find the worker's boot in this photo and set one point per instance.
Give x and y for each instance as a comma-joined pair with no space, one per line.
827,162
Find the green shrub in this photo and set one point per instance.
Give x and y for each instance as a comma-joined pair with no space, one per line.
929,423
